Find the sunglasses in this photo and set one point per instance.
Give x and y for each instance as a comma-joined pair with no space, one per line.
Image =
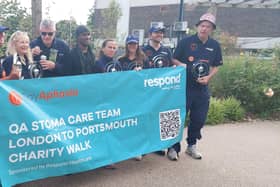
47,33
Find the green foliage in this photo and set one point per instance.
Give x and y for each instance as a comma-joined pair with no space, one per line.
224,110
15,17
246,79
66,31
110,18
227,41
232,109
276,51
216,112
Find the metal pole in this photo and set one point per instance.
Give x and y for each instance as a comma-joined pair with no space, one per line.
181,18
181,14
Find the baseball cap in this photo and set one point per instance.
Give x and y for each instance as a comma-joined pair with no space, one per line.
208,17
131,39
3,28
81,29
156,29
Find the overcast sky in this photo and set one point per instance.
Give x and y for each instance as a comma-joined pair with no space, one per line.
62,9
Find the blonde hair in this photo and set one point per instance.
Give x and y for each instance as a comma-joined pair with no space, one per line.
11,46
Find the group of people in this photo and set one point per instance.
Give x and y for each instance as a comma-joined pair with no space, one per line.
56,59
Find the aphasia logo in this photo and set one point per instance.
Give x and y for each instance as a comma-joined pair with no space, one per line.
15,98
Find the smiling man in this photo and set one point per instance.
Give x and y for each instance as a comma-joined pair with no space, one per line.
81,59
201,55
55,50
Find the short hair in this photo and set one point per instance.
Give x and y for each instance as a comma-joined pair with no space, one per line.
46,23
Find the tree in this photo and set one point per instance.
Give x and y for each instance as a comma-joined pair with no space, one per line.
66,31
110,17
15,17
36,16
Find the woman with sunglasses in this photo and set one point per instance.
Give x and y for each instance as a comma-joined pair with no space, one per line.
49,50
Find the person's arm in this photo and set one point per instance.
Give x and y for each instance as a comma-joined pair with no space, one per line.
14,75
178,63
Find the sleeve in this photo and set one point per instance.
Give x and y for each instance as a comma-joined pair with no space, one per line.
178,53
218,61
61,63
7,65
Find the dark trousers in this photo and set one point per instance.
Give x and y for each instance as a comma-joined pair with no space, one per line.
197,106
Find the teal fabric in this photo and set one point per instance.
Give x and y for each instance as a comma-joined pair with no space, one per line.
56,126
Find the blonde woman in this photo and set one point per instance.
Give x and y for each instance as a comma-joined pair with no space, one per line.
19,56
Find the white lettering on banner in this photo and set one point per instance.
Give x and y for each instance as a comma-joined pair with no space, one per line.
40,140
102,127
78,147
102,114
16,129
35,155
48,124
80,118
163,81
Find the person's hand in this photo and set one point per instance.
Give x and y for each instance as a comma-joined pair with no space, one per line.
138,68
14,75
47,64
36,50
203,80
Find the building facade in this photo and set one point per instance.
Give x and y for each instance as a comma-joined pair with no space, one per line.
248,20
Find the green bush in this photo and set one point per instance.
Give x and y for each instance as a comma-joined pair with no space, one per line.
246,79
216,112
232,109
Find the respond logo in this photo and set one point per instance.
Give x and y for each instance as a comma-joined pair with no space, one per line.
168,82
15,98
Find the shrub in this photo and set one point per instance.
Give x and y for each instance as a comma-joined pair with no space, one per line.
216,112
246,79
232,109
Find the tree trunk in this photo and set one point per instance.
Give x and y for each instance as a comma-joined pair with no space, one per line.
36,6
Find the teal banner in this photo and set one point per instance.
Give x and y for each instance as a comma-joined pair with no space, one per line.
56,126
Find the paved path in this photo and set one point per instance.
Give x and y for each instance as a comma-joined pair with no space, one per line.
235,155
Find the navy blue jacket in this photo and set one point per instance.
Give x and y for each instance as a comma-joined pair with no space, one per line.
151,53
101,64
191,49
61,60
78,63
8,63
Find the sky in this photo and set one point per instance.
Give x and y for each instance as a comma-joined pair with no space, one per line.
64,9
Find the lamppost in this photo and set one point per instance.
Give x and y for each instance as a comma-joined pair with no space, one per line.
181,13
181,18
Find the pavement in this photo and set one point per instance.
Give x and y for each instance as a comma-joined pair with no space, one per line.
234,155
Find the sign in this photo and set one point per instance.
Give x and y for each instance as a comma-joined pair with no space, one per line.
56,126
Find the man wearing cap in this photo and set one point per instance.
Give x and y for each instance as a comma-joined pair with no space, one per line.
49,50
158,55
81,58
201,48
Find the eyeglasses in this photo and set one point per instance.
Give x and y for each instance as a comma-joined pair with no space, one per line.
47,33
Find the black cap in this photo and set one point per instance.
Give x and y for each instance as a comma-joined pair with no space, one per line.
81,29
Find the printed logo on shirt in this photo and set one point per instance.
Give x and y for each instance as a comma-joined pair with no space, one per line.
209,49
149,53
191,59
193,46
